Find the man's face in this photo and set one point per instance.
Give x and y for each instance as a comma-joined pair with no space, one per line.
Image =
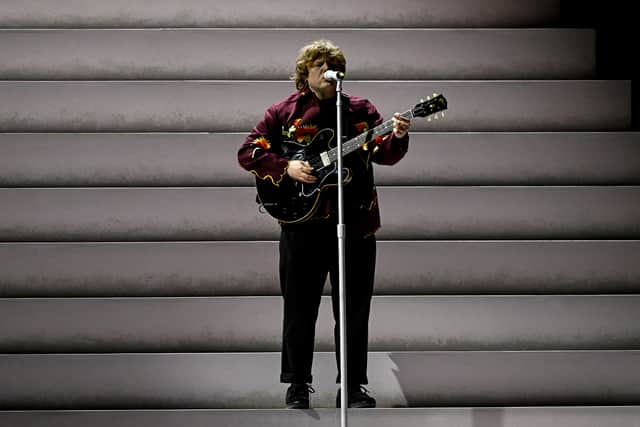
324,89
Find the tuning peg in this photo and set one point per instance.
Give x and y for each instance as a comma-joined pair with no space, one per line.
435,94
428,119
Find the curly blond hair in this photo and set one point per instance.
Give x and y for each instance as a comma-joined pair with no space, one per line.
319,49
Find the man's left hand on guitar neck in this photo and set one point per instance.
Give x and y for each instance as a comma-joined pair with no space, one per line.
400,126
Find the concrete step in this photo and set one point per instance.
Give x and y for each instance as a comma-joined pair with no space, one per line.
208,159
250,380
231,213
269,54
551,416
413,323
286,13
219,106
403,267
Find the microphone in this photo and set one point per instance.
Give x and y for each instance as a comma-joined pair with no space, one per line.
333,75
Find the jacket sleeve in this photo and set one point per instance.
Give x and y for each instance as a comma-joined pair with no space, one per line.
258,153
387,149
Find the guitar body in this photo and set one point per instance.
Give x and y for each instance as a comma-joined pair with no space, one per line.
292,201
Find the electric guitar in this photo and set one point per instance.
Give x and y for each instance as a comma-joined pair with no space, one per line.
294,202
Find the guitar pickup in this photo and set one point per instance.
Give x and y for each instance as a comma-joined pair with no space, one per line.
325,159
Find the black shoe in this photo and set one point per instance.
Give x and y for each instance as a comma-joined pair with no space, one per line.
358,397
298,396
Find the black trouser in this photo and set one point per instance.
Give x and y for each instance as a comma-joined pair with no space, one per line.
307,254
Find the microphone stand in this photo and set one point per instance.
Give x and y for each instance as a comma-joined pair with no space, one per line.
344,391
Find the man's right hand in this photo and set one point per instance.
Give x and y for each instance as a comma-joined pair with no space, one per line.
301,171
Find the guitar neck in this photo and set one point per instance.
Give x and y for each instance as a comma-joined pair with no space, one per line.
365,137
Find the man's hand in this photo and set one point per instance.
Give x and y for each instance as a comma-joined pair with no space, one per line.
301,171
400,125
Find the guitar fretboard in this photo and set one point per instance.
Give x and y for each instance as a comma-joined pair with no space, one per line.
365,137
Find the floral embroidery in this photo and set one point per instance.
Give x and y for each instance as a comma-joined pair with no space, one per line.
262,142
302,134
292,128
306,133
362,127
376,144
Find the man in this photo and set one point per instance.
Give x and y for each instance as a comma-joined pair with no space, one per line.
309,249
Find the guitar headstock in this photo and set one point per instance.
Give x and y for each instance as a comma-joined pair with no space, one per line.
431,107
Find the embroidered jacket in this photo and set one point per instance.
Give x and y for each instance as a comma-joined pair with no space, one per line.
298,118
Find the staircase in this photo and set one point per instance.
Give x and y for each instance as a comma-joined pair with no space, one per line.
138,280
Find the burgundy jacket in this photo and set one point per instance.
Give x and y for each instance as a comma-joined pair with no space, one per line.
298,118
